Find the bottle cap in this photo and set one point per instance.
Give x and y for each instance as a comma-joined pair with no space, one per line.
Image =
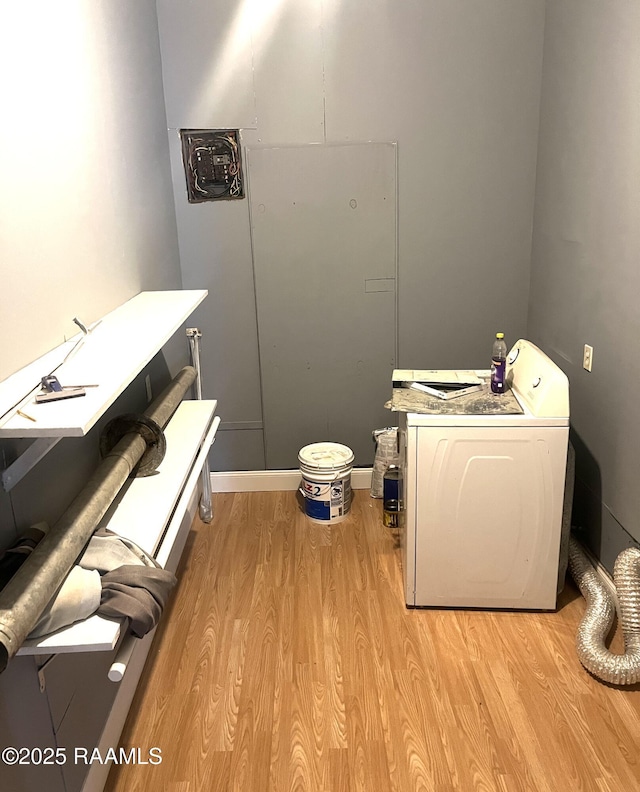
499,335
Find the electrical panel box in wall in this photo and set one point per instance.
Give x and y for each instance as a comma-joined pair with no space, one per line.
212,164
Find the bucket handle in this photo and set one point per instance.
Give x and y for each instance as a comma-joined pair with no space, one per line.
336,475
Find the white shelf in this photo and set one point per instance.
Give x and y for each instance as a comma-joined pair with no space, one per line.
149,511
111,356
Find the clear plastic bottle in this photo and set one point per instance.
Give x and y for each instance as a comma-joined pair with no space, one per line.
498,364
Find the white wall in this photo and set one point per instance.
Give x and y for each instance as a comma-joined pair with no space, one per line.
86,222
86,213
86,205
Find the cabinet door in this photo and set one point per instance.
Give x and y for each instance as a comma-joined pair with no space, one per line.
488,515
81,723
25,723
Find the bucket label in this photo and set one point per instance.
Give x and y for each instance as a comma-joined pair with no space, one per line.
327,501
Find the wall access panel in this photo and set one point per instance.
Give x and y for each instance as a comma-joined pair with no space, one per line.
323,223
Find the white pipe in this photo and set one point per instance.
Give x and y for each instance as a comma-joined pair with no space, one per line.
206,507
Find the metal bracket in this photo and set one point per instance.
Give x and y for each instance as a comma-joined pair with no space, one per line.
18,469
148,430
41,677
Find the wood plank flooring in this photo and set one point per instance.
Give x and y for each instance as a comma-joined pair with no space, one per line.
287,661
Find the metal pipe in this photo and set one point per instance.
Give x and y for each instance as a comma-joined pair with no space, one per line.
30,590
206,507
167,402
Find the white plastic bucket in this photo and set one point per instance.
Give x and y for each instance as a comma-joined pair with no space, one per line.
326,481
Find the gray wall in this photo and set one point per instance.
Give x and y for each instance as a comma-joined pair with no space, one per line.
86,202
86,222
455,82
585,278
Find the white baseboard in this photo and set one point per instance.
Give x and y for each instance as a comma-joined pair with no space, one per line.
275,480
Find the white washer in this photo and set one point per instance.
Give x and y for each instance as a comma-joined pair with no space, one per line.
484,496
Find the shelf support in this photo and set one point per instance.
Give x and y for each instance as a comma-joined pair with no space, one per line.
206,507
18,469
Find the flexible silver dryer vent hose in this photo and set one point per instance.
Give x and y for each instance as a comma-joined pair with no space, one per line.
617,669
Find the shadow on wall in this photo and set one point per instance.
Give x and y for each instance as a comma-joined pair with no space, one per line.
587,497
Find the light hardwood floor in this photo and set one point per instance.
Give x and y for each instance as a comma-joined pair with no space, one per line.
288,661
